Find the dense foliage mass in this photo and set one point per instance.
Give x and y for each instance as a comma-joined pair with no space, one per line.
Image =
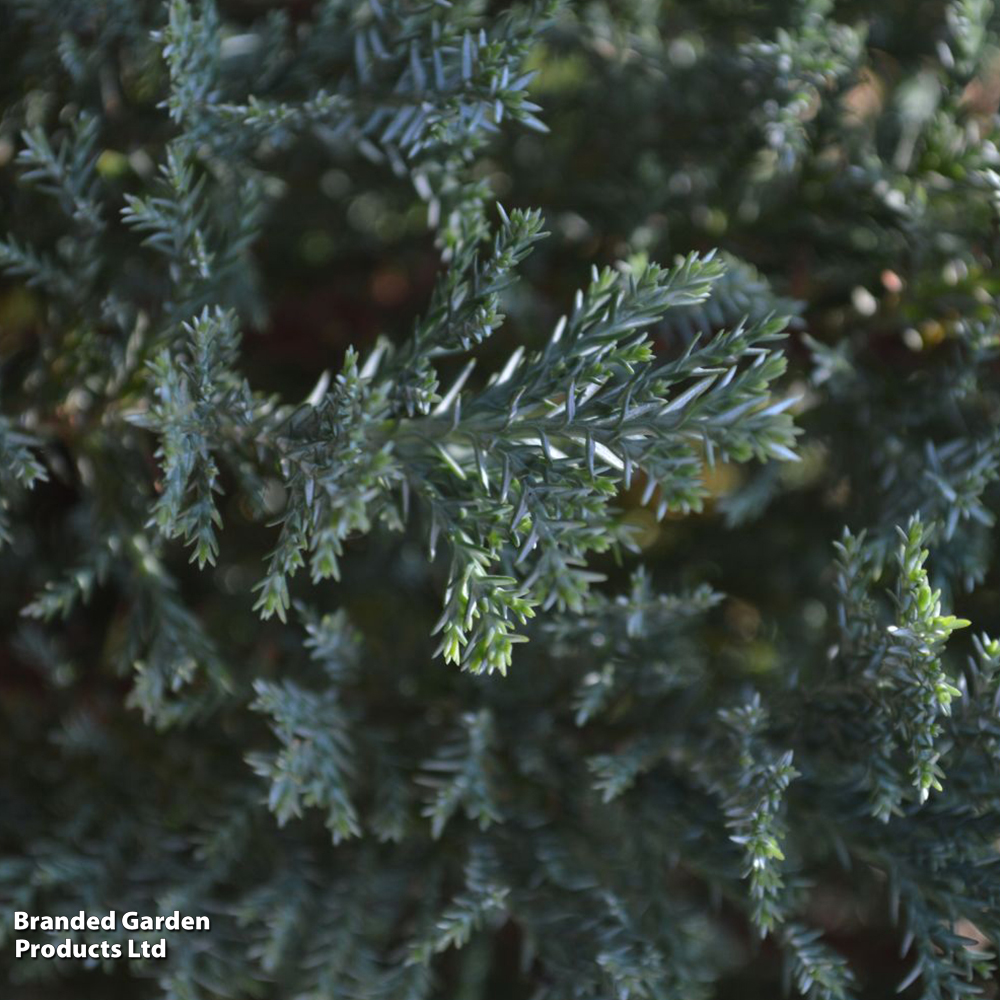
450,601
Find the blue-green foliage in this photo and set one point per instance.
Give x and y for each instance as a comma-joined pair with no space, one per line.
502,758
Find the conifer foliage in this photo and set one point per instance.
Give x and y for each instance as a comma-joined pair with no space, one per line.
405,570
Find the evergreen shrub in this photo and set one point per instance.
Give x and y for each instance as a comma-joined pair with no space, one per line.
493,496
